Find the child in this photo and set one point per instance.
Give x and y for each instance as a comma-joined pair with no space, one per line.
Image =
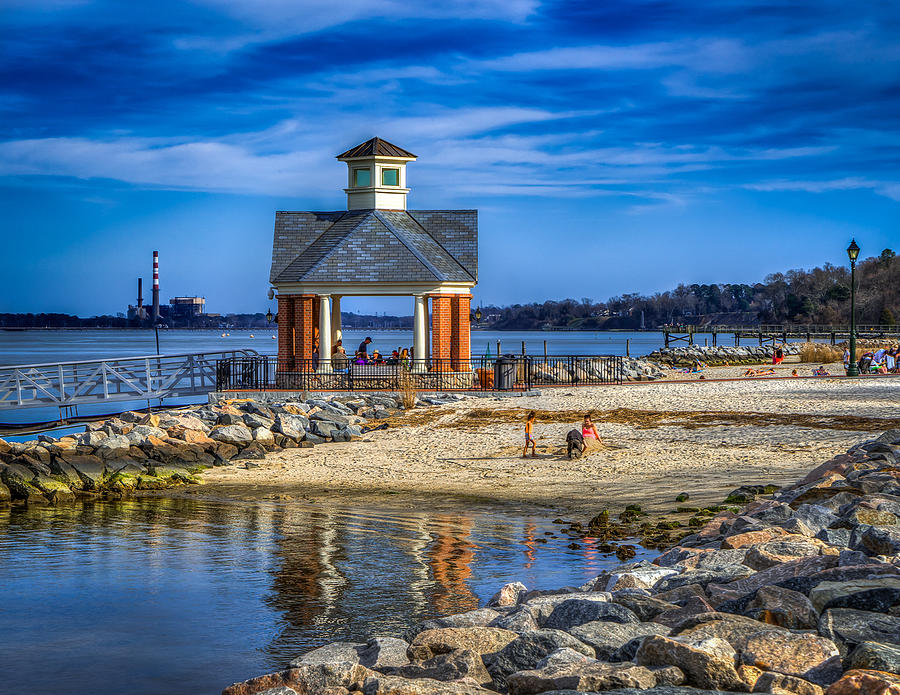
529,435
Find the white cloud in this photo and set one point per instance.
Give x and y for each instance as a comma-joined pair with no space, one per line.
888,189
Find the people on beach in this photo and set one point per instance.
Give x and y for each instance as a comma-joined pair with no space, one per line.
759,372
778,355
589,433
529,435
820,371
794,372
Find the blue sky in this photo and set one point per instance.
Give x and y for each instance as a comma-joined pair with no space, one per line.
610,147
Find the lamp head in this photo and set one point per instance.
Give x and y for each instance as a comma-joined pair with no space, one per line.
269,316
853,251
478,314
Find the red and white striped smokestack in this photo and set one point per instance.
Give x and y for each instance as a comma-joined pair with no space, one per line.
155,286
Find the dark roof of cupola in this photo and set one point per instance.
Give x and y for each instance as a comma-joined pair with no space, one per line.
376,147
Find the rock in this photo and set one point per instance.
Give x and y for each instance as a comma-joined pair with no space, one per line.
592,676
336,652
340,435
140,433
607,637
775,552
453,666
876,594
53,490
394,685
383,653
782,684
323,428
199,437
835,536
508,595
848,627
254,421
150,419
312,438
862,682
114,447
778,574
308,678
91,470
776,605
5,494
806,656
563,656
704,577
182,421
640,577
480,617
91,438
644,607
542,606
708,664
520,620
482,640
734,629
264,436
527,650
578,612
677,616
744,540
881,540
875,656
236,435
225,451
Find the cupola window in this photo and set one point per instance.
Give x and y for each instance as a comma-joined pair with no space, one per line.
390,177
362,177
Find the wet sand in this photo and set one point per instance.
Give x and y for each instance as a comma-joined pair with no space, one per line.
659,439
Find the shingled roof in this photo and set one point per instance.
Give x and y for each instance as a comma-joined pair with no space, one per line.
375,246
376,147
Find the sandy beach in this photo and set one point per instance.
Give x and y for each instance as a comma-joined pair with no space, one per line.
659,439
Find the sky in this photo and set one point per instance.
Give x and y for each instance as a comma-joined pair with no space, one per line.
610,147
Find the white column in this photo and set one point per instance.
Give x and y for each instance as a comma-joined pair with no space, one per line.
419,332
336,334
324,333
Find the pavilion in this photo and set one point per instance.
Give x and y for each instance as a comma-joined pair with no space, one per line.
376,247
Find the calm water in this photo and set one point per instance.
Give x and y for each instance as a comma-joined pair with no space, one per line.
174,596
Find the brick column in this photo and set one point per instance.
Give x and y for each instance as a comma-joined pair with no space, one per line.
441,330
285,331
460,343
303,322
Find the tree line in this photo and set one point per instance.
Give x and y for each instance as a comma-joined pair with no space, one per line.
817,296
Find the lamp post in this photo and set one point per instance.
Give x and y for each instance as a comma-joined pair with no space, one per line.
477,315
269,317
853,254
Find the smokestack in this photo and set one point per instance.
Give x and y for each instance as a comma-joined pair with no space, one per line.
155,286
139,314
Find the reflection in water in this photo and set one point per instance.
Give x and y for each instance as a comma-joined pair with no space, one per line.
181,596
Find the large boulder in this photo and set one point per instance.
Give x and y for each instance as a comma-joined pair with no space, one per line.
607,637
458,664
508,595
709,663
879,540
806,656
292,426
481,640
776,605
593,676
236,435
306,679
527,650
876,594
848,627
114,447
578,612
337,652
875,656
384,653
862,682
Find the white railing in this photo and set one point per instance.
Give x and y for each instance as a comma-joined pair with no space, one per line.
149,377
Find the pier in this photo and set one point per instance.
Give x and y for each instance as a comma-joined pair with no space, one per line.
773,334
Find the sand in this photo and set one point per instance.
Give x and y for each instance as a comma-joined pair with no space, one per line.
659,439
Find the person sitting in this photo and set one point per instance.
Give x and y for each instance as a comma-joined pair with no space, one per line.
338,348
394,358
361,358
698,367
377,358
340,362
574,444
589,433
820,371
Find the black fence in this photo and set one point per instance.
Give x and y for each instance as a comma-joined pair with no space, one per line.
504,373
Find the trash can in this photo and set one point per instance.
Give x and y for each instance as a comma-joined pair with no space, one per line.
505,373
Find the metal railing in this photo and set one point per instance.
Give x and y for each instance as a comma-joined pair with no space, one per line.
150,377
506,373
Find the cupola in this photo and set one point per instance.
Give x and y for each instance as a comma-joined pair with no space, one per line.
376,175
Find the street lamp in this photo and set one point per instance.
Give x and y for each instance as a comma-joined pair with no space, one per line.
853,254
269,316
478,315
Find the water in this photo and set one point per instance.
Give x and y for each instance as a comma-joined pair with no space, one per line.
182,596
30,347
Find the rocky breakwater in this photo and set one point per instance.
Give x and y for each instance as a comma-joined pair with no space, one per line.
798,594
139,451
686,355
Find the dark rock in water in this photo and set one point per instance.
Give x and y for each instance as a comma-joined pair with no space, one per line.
456,665
5,494
876,656
606,637
848,627
527,650
578,612
881,540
